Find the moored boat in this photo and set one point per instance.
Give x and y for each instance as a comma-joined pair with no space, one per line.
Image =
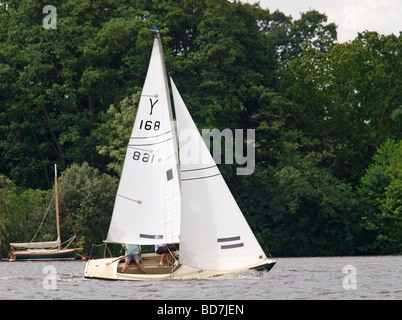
48,250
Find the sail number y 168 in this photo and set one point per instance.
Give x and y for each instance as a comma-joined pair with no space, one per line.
149,125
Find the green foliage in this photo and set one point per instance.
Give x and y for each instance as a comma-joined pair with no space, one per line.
89,197
21,213
325,181
114,131
57,81
380,190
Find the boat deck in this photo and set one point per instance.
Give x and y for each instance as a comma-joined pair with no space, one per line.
150,263
110,268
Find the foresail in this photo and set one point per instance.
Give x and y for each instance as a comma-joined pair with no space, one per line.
214,234
148,198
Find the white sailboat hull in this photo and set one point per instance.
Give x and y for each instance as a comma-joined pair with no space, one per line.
110,269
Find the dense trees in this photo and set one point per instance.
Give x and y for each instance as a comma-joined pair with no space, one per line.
381,194
328,116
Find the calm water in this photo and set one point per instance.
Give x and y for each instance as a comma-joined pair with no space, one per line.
330,278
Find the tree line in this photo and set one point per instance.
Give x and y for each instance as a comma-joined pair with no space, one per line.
327,116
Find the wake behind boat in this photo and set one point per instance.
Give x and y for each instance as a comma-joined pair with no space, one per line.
164,197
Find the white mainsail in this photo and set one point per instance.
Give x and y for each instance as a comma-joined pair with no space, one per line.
214,233
148,198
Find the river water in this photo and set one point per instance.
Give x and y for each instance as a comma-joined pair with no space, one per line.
329,278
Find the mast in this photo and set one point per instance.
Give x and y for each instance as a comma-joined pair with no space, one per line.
158,37
57,206
170,109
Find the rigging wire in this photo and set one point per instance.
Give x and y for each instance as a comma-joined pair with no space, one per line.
69,219
43,219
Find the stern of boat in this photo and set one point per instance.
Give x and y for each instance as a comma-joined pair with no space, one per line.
101,268
265,266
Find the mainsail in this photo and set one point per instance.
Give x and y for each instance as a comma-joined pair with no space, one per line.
214,232
148,198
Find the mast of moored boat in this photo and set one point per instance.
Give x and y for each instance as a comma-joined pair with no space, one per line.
57,206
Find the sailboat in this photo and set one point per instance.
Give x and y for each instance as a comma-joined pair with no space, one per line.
171,196
47,250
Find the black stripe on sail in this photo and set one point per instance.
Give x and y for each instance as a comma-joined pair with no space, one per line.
229,239
231,246
147,236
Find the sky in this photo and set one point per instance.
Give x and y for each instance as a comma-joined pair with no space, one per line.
351,16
